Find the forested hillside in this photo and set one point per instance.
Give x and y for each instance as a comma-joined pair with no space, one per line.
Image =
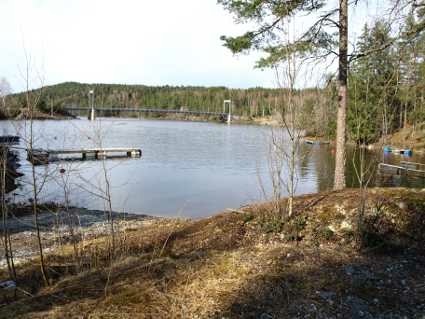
387,82
251,102
248,103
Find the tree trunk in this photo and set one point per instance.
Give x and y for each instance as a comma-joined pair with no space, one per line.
339,181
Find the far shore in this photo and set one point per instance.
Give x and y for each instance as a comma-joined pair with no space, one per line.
405,138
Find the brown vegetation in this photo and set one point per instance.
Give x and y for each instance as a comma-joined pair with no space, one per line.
409,137
322,262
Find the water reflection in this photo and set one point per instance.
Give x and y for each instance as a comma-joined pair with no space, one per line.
188,168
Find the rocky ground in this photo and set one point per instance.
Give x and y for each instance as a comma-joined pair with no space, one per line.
56,224
331,259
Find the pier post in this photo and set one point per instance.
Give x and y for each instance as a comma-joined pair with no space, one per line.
92,115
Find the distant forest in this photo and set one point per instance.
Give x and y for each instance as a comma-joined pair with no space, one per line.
246,102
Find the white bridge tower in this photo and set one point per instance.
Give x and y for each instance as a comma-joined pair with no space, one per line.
228,103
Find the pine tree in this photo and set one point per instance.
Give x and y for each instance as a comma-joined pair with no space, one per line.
374,78
317,42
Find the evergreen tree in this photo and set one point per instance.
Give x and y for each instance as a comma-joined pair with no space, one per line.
374,104
317,41
412,56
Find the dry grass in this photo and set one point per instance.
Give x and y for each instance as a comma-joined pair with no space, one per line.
407,137
244,264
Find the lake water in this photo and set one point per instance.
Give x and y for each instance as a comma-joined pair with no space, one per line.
188,169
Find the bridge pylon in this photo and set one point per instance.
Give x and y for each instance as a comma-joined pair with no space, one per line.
92,114
229,113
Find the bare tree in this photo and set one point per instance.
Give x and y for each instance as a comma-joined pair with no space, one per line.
5,90
284,147
72,218
31,99
6,241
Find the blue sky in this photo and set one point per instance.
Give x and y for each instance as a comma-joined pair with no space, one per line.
130,41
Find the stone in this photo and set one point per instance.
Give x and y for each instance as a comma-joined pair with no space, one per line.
402,205
358,307
349,270
7,289
329,296
346,226
332,228
7,284
326,294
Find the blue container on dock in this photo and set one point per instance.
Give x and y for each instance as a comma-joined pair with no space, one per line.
387,149
408,153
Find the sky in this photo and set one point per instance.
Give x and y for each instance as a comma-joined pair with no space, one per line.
161,42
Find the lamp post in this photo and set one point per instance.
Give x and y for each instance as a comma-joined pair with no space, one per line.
91,105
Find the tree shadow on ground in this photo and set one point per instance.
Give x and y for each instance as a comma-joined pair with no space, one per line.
153,260
327,279
367,286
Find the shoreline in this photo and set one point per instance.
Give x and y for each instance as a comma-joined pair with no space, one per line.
260,121
398,139
56,225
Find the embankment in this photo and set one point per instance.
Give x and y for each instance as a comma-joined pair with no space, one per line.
331,259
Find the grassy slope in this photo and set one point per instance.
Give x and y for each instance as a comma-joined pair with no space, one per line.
247,264
414,139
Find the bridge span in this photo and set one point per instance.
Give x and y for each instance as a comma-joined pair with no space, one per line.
92,111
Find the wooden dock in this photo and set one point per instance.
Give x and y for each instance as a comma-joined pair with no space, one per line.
314,141
9,139
405,168
41,156
413,165
412,168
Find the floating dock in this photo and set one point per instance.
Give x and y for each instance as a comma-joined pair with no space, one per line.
405,168
413,165
9,139
40,156
314,142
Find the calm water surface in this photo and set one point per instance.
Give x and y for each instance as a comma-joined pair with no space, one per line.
188,169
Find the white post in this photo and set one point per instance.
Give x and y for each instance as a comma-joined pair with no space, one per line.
91,101
229,114
92,115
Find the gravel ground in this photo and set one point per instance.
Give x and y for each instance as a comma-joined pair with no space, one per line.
55,229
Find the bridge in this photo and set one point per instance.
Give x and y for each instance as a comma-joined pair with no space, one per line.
92,111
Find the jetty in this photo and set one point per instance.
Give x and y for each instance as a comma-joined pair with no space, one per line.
404,168
41,156
9,139
413,165
314,141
